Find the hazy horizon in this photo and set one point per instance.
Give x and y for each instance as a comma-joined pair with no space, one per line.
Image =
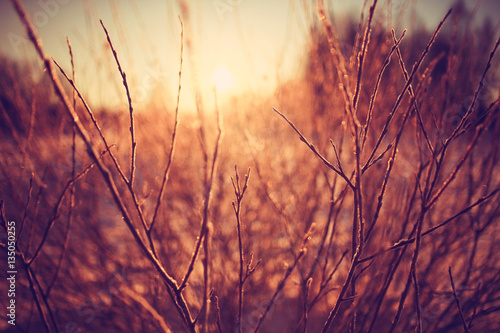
259,44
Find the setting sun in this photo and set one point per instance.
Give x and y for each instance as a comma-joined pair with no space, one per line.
222,78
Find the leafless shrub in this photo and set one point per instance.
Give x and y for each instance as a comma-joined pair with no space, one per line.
373,204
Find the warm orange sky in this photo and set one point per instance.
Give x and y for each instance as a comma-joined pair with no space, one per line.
260,42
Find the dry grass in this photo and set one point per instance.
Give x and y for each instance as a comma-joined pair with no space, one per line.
372,204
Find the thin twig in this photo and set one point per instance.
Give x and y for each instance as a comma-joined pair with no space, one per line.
55,212
476,95
362,53
166,174
218,313
339,165
32,281
417,302
373,97
31,277
457,301
412,94
281,284
124,290
72,187
413,267
209,176
404,242
403,91
366,167
306,299
479,130
130,108
130,181
474,313
239,192
314,150
25,214
339,62
390,164
325,281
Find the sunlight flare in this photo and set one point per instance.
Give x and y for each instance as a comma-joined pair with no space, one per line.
222,78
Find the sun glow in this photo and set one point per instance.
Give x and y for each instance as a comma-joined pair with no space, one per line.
222,78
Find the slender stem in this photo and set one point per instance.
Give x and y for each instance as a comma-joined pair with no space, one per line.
239,192
130,108
174,138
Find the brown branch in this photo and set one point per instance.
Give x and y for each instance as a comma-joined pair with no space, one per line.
113,158
94,121
180,302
